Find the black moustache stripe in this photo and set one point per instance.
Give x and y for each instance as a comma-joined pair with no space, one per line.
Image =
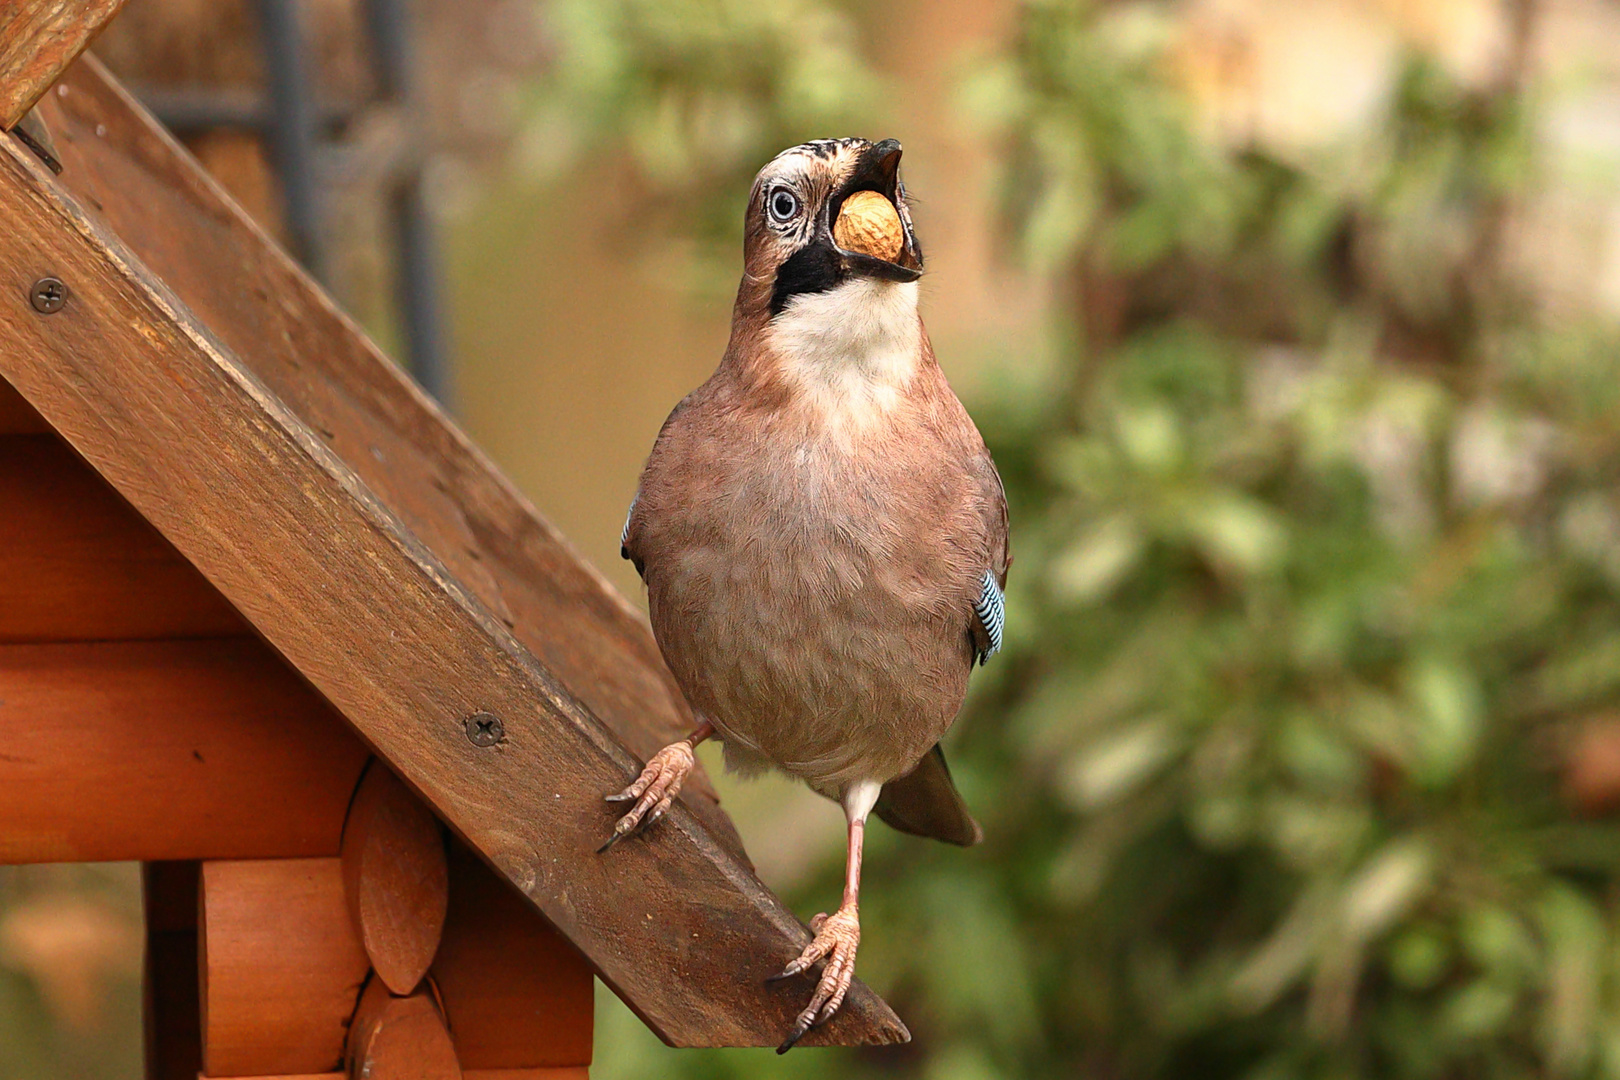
813,268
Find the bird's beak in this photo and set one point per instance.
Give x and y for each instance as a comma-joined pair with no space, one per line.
879,171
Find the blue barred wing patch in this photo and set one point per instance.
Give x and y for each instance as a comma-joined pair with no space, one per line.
624,533
991,609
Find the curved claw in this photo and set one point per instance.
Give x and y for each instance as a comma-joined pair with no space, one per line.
837,938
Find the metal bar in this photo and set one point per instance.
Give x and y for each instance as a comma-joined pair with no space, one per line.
186,110
292,130
416,283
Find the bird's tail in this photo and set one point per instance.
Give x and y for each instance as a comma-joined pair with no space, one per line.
925,802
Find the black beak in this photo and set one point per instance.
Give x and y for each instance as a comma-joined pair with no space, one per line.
879,171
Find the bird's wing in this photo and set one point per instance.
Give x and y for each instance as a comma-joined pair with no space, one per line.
628,548
925,803
624,536
990,609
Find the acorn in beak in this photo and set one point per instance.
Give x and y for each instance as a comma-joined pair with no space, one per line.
868,222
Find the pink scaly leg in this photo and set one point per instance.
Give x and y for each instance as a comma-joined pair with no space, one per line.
837,936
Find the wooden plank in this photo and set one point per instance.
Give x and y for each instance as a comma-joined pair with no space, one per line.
568,1072
395,876
38,40
81,565
432,481
17,417
281,966
380,553
171,1007
167,750
516,993
400,1038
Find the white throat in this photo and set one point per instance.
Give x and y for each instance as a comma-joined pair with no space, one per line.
852,350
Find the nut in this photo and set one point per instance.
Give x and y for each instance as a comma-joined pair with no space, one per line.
868,223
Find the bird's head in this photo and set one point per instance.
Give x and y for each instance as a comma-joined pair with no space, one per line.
794,245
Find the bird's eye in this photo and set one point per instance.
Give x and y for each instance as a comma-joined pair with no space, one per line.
784,206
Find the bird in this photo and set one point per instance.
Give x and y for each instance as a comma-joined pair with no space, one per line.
822,533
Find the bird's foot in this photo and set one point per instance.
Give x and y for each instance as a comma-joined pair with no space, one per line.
653,790
837,937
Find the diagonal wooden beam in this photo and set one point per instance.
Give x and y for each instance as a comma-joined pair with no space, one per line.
38,40
382,556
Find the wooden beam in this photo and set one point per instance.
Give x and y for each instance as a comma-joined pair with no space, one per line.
568,1072
516,993
400,1038
38,40
379,552
81,565
17,417
281,967
167,750
395,876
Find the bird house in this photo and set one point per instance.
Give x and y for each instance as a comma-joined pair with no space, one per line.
271,625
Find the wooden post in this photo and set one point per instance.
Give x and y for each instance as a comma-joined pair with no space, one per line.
281,967
38,40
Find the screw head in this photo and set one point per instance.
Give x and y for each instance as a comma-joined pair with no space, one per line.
48,295
484,729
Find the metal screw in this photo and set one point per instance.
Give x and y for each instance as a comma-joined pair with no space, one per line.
484,729
48,295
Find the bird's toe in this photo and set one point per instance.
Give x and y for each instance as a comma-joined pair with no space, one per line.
652,792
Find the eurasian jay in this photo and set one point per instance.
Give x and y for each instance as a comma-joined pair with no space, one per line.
823,535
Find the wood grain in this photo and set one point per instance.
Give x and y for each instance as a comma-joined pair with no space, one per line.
281,966
17,417
395,876
170,1003
516,993
366,539
400,1038
167,750
81,565
38,40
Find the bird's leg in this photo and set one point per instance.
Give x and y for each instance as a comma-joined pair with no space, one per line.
838,935
657,786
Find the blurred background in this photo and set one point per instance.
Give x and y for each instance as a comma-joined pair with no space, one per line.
1294,326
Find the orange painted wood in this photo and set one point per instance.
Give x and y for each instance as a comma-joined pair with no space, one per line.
400,1038
80,565
170,1007
281,966
38,40
395,875
17,417
375,548
300,1076
567,1072
167,750
516,993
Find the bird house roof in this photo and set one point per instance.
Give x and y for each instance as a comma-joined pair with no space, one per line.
220,391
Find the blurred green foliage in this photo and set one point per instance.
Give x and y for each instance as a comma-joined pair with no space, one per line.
689,91
1318,552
